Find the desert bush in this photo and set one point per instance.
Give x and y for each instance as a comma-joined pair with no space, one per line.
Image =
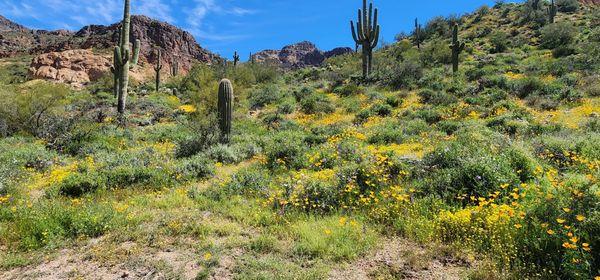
196,168
558,35
437,98
436,52
286,149
223,154
348,90
317,103
499,41
468,166
29,108
265,95
567,6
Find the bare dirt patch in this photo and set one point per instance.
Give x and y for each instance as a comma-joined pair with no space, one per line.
399,258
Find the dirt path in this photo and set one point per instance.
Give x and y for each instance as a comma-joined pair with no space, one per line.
399,258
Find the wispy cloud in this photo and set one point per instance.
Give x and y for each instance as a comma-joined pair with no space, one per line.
196,20
155,9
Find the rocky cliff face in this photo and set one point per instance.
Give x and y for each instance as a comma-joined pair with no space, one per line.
298,55
75,67
174,42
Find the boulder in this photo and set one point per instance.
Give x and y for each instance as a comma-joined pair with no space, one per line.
75,67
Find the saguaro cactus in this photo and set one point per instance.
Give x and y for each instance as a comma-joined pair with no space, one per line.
236,59
124,60
225,105
366,34
552,12
158,68
174,67
417,33
457,47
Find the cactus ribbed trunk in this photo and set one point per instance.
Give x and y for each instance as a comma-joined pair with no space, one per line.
236,59
225,105
457,47
417,33
552,10
124,80
158,68
123,60
366,34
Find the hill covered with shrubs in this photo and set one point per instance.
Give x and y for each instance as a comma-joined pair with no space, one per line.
416,171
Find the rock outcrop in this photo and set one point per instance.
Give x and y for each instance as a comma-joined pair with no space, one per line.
303,54
75,67
174,42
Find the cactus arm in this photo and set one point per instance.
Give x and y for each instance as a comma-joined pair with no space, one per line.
354,32
136,53
376,38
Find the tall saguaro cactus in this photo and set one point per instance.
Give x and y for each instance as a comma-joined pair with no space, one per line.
236,59
174,67
366,34
124,60
158,68
552,10
417,33
457,47
225,105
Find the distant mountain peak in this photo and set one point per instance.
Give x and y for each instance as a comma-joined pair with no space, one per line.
7,25
298,55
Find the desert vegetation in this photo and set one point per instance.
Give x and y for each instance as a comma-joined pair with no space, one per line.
247,171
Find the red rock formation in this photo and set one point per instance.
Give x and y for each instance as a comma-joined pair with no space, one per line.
75,67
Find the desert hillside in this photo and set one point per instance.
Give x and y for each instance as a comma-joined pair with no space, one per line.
468,148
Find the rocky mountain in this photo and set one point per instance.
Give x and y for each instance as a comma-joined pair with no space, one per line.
174,42
298,55
7,25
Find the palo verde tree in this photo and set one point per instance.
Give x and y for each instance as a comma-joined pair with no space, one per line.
123,61
366,34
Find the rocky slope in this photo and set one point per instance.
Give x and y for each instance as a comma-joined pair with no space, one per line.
298,55
174,42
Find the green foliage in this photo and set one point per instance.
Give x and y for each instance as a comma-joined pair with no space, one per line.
316,103
265,95
467,166
567,6
499,41
558,35
333,238
31,108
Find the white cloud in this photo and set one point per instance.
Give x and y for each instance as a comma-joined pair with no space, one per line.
155,9
196,20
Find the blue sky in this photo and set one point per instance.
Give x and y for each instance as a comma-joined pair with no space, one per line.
224,26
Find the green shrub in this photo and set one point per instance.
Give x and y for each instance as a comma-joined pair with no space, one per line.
78,184
286,149
196,168
499,41
558,35
265,95
316,103
475,164
348,90
437,98
567,6
223,154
